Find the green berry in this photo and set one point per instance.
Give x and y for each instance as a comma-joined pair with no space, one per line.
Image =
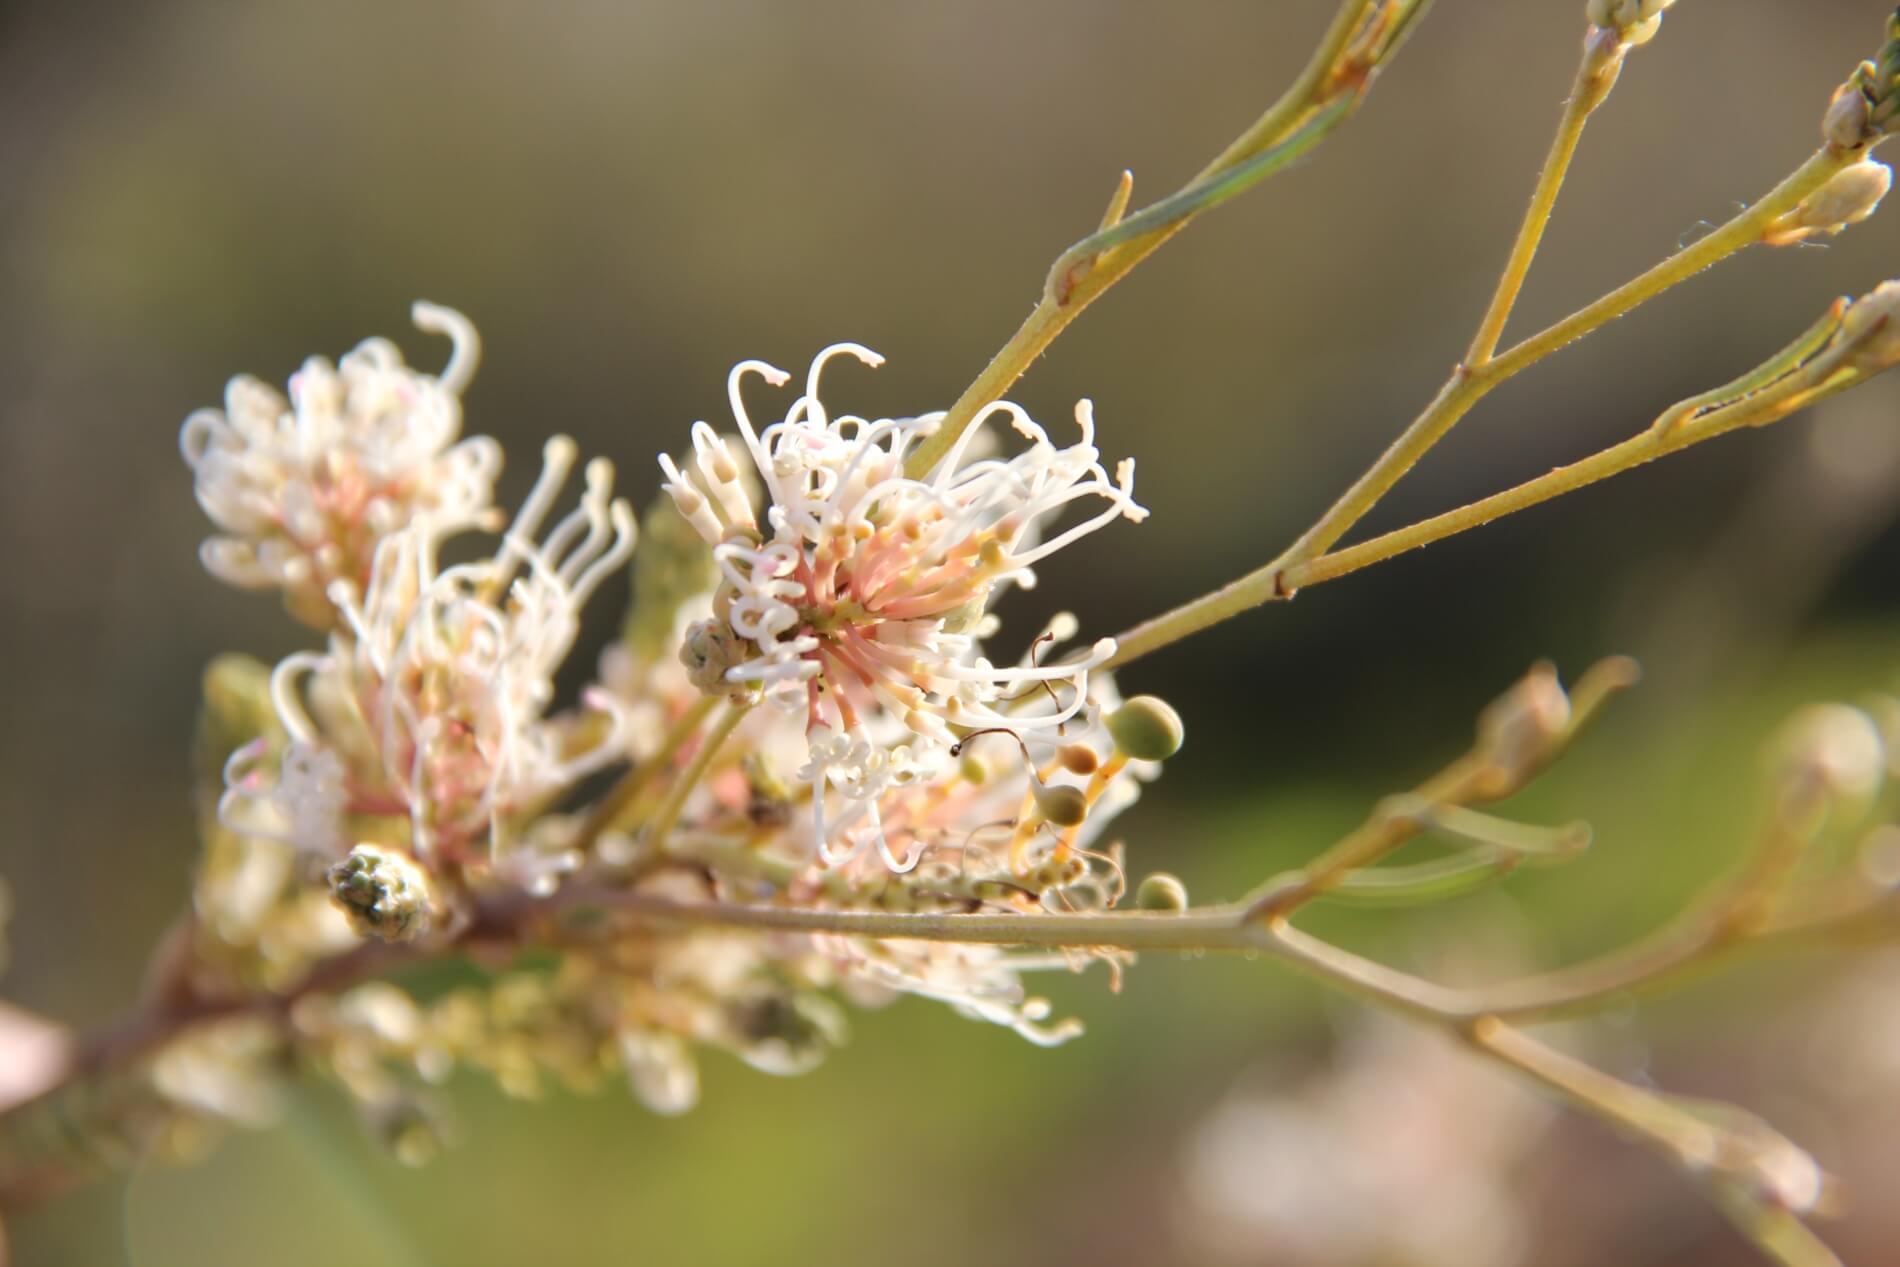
1147,729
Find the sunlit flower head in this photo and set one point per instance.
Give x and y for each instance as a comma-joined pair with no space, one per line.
437,682
862,593
303,488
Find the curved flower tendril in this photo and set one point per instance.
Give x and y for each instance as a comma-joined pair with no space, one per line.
452,668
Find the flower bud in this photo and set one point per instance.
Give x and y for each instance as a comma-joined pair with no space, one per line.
302,486
1161,892
1634,21
385,893
237,706
1838,746
1872,326
709,649
1849,197
1516,730
1060,803
1867,106
1057,872
1147,729
1078,758
1848,124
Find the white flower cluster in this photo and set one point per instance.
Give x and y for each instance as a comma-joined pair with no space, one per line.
861,598
304,488
452,668
414,755
430,699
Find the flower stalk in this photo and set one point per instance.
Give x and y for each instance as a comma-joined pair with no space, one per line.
1361,40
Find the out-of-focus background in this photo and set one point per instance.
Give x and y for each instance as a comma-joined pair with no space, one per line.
627,198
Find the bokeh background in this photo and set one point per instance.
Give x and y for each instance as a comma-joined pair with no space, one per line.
628,197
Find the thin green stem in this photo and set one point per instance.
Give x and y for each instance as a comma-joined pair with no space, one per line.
1388,829
1692,1142
1206,192
1596,75
669,811
1745,230
1480,776
1284,114
1730,915
1216,928
1657,441
1281,577
1468,385
1363,33
1730,1157
620,798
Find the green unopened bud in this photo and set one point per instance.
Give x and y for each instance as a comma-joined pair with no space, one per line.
1147,729
973,768
385,893
1061,803
1161,892
237,698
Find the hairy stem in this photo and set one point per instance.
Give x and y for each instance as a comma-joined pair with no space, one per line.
1087,270
1596,75
1284,575
1659,440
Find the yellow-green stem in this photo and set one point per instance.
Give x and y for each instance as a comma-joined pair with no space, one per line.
1745,230
1382,833
621,797
689,778
1052,314
1286,573
1636,451
1596,75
